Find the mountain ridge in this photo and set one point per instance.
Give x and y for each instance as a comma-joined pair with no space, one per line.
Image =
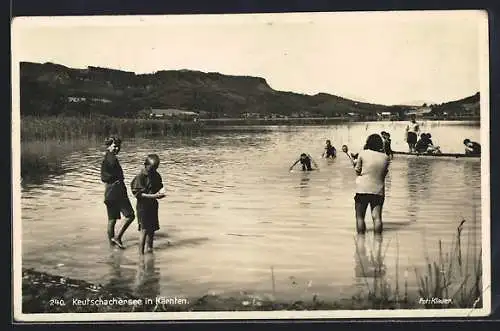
53,89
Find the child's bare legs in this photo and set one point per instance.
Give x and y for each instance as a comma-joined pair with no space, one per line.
124,228
142,242
150,239
360,207
377,218
111,230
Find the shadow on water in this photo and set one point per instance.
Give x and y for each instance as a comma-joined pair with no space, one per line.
396,226
181,243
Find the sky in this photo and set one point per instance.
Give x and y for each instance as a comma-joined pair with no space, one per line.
385,57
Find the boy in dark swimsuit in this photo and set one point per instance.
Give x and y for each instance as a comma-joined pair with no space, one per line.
330,151
305,160
147,188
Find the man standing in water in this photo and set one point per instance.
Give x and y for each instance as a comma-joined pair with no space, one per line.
412,132
115,193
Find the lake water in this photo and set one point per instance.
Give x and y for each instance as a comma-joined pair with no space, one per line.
235,219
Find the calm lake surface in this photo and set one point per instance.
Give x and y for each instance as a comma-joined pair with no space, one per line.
235,218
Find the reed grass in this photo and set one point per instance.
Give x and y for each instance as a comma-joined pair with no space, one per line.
447,277
450,277
70,128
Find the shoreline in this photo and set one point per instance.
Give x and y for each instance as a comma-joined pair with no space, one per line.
47,293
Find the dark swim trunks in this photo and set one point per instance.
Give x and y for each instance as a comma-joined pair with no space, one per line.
114,208
411,138
372,199
117,201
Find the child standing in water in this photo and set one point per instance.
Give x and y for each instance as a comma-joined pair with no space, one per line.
147,187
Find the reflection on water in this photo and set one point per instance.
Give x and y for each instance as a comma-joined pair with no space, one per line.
234,212
147,278
369,261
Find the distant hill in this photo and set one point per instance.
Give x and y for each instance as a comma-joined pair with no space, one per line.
467,106
51,89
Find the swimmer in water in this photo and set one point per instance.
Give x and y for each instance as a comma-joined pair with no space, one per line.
330,151
305,160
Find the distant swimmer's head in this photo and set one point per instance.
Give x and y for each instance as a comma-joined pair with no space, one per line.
328,143
466,141
152,162
344,149
113,144
374,142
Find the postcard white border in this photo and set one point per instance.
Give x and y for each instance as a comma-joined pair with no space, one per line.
18,316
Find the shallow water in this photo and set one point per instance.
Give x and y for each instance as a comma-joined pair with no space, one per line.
235,219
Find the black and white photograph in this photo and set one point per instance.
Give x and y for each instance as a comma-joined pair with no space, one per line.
251,166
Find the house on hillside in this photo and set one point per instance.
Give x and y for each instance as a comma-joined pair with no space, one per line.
77,99
172,113
384,116
419,111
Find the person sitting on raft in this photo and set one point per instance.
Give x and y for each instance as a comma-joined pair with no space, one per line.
305,160
472,147
386,137
352,157
425,145
330,151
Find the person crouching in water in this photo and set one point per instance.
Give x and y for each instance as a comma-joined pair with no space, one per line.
147,188
371,169
472,147
387,144
330,151
305,160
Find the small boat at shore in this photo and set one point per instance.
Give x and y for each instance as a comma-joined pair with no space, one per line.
455,155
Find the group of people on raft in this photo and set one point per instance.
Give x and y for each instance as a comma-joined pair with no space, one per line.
424,144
